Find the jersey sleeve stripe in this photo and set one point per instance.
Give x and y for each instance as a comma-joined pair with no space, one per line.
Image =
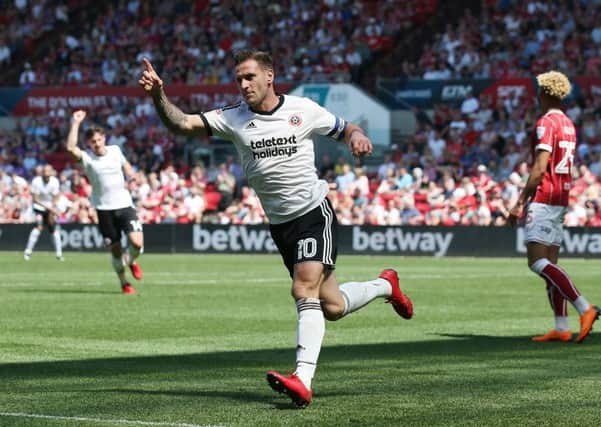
333,131
340,135
544,147
337,131
206,122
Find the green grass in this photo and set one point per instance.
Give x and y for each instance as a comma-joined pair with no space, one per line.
194,346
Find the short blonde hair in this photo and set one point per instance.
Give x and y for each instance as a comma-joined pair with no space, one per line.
554,84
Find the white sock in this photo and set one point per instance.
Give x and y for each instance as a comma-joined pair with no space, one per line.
358,294
33,238
119,268
310,332
561,323
134,253
581,304
58,246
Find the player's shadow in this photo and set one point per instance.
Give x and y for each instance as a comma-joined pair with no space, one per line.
198,376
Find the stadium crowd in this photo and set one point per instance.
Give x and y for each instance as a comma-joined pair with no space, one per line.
190,41
464,165
509,39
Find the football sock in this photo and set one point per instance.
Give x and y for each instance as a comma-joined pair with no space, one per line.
358,294
33,238
561,281
134,252
581,304
558,303
561,323
57,242
310,332
119,269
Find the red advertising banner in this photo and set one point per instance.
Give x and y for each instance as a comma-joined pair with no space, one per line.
510,88
43,100
589,86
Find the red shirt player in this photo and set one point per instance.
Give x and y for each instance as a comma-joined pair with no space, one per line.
556,134
546,196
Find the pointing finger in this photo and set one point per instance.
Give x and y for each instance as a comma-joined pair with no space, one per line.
147,65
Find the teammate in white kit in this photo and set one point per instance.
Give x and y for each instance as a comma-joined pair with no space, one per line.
274,136
45,193
105,167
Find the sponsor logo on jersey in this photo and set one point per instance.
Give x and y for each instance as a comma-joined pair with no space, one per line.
540,132
274,147
295,120
568,130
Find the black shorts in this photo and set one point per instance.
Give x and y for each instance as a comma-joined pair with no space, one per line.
44,218
113,222
311,237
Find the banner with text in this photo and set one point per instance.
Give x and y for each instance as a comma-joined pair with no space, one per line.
404,94
368,240
41,100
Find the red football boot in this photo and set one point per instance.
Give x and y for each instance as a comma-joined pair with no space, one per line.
291,386
136,271
400,302
128,289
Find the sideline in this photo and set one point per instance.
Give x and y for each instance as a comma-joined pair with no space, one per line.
101,420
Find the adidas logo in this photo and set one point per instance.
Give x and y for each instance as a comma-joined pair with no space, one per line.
251,125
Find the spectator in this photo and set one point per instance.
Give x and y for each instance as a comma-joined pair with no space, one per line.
28,77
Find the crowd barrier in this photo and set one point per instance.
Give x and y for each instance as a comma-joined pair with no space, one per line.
353,239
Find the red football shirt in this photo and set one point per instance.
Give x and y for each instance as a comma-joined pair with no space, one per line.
556,134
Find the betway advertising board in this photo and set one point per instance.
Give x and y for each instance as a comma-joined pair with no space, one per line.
367,240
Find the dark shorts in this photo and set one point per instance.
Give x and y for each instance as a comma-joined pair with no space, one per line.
113,222
45,218
311,237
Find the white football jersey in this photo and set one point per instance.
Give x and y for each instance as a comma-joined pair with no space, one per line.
276,150
106,176
45,191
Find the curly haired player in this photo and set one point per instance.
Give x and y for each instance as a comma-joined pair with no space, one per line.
546,195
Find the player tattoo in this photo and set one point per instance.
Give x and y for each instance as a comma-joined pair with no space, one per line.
170,115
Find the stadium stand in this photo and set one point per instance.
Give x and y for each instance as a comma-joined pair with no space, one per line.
463,167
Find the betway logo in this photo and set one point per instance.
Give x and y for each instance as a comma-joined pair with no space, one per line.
86,237
395,240
576,243
235,239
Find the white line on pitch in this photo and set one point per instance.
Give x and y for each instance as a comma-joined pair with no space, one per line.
99,420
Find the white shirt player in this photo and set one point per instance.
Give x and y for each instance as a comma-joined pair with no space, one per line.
106,176
276,150
45,191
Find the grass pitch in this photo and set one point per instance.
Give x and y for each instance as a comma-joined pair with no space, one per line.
193,347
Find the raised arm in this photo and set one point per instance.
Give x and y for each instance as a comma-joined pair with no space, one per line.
172,117
72,148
